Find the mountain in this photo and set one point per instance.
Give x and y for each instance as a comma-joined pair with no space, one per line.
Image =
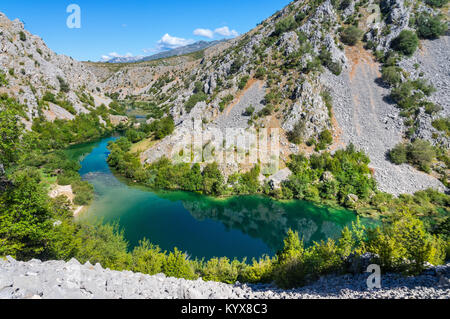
54,85
311,69
191,48
321,74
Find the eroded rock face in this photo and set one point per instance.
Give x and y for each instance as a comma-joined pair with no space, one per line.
32,69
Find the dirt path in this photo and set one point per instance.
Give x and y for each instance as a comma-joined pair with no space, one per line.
371,123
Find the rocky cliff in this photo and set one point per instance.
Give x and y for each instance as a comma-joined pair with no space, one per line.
31,70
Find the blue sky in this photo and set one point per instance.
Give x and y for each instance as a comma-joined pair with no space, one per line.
136,27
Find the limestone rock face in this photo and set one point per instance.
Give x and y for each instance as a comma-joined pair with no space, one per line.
32,69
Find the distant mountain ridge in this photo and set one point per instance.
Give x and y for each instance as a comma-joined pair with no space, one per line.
191,48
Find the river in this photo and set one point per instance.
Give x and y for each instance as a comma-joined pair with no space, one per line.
204,227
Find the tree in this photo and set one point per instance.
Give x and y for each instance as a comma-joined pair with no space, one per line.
25,218
351,35
421,152
406,43
430,27
398,155
9,135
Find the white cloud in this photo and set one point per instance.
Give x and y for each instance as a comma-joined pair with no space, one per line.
204,33
115,55
168,42
223,31
226,32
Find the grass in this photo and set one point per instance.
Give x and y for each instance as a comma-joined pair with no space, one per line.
142,145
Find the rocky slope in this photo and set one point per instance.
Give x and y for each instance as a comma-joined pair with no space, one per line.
60,280
282,69
32,69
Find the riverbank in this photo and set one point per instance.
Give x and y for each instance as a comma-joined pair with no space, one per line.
61,280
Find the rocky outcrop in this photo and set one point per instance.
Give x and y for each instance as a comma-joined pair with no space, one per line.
71,280
32,69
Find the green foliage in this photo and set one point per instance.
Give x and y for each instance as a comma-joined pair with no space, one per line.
351,35
404,245
243,82
349,169
420,153
9,135
249,110
3,80
193,100
283,26
25,215
22,36
221,270
406,43
177,265
392,75
297,134
436,3
147,258
325,139
64,86
430,27
327,61
442,124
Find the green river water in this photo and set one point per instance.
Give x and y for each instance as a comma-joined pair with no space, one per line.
244,226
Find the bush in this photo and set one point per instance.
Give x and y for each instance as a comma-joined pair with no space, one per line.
399,154
147,258
193,100
297,134
64,87
284,25
22,36
177,265
430,27
436,3
325,139
442,124
3,80
406,43
421,153
351,35
243,82
249,110
392,75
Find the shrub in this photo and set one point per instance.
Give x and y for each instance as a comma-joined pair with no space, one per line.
22,36
442,124
243,82
436,3
351,35
147,258
398,155
64,86
392,75
3,80
430,27
406,43
177,265
221,270
421,152
325,139
260,73
249,110
284,25
193,100
297,134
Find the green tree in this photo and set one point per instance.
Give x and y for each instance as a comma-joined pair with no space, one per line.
351,35
406,43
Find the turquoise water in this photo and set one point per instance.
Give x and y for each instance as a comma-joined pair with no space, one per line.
249,226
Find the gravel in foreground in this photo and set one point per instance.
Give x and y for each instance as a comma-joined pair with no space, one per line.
71,280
